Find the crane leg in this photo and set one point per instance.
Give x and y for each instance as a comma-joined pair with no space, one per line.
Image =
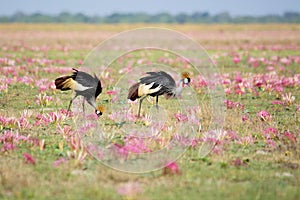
83,105
140,104
157,102
71,101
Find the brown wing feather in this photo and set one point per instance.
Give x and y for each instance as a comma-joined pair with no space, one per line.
133,92
64,83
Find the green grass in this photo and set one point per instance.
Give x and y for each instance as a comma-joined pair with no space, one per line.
264,172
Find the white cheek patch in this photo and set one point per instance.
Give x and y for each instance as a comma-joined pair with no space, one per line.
185,81
98,112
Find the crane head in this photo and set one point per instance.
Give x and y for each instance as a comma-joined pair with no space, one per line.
186,78
99,111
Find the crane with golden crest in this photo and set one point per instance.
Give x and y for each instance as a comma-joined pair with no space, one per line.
157,84
84,85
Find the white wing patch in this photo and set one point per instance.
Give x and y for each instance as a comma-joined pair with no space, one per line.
80,87
145,89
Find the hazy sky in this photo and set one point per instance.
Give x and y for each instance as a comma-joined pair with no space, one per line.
98,7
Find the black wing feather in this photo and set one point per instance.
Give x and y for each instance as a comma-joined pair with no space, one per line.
87,80
160,78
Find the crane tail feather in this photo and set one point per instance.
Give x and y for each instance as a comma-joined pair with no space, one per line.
64,83
133,93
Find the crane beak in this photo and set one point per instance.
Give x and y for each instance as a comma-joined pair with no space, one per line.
187,84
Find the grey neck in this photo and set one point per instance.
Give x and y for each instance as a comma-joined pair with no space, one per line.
179,88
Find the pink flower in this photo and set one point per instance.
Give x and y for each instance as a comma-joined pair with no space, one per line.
230,104
227,91
80,62
10,140
236,59
181,117
59,162
4,87
43,99
270,68
271,143
281,68
246,140
238,78
253,61
285,61
112,92
126,69
288,99
140,61
194,143
28,158
263,115
96,151
8,147
120,150
42,88
92,116
87,126
53,117
244,118
23,123
26,80
171,168
277,102
231,135
113,95
122,116
278,88
239,91
270,132
290,136
132,145
51,85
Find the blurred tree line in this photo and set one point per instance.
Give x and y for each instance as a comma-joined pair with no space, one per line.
197,17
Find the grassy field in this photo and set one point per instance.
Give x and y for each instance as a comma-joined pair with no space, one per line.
256,157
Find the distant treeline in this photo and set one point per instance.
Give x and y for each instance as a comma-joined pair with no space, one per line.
197,17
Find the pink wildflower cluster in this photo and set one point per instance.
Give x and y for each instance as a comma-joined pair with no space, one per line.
10,140
44,85
264,115
122,116
255,83
28,159
171,168
21,123
181,117
232,105
78,149
59,161
131,145
290,136
49,118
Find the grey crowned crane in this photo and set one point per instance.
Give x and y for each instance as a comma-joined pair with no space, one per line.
84,85
156,84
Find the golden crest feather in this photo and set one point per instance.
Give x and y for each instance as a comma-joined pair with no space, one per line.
100,108
185,75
